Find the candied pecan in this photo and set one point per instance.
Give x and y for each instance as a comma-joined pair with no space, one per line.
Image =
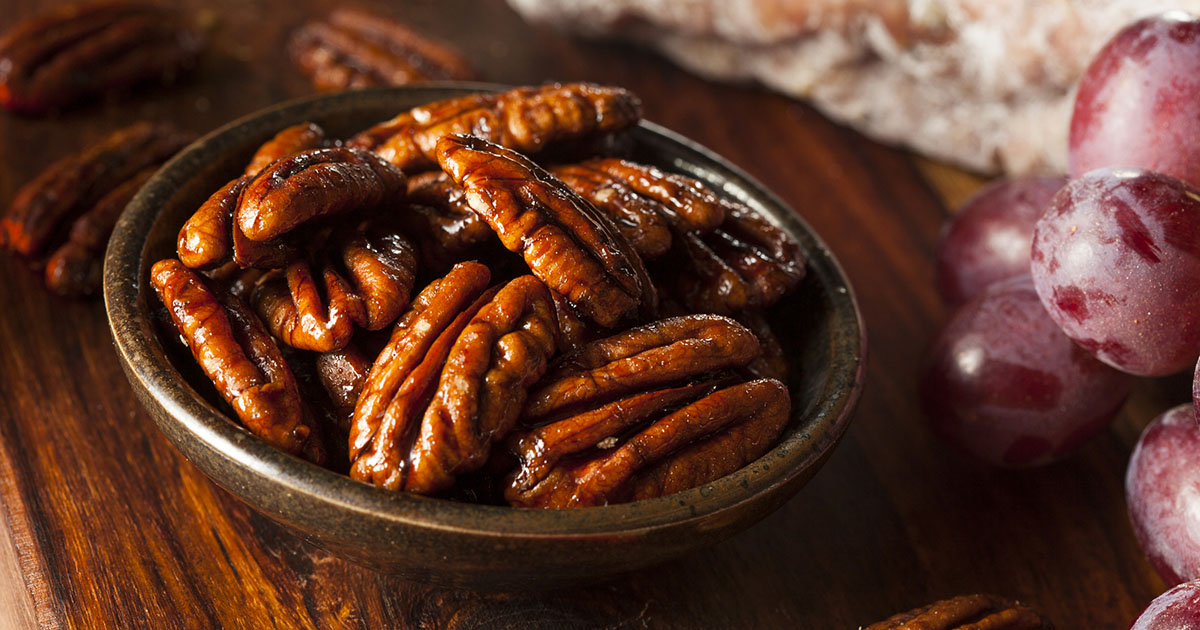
440,218
81,50
687,203
573,330
686,436
567,243
525,119
43,207
315,183
343,373
451,381
745,263
967,612
74,268
241,359
639,219
357,49
365,282
210,237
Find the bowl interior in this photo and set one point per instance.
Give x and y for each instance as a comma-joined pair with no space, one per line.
819,327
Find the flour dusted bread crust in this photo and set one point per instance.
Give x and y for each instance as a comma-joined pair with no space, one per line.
985,84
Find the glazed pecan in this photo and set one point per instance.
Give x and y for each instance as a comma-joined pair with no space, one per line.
451,381
343,374
772,361
572,247
645,413
746,263
46,205
687,203
315,183
88,49
240,358
210,237
967,612
525,119
356,49
366,274
74,268
573,330
440,218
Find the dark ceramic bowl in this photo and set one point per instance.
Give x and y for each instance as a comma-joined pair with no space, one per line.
439,540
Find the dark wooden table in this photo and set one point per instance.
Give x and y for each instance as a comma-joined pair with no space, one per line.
104,525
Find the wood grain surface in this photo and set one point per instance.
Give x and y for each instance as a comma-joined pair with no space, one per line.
104,525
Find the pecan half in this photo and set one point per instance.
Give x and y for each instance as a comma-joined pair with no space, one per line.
88,49
687,203
365,280
210,237
967,612
239,357
48,204
357,49
315,183
572,247
74,268
745,263
645,413
525,119
343,374
451,381
573,330
439,216
772,361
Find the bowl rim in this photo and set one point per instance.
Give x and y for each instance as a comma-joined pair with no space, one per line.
144,359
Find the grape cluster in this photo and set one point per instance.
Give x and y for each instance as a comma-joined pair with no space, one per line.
1065,290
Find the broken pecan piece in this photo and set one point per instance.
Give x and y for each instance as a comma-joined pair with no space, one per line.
645,413
746,263
439,217
525,119
88,49
451,381
365,280
315,183
210,237
687,203
357,49
47,204
967,612
74,268
239,357
567,243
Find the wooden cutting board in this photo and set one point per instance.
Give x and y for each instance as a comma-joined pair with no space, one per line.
104,525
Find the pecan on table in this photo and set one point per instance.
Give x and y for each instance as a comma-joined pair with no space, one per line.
442,221
451,381
74,268
567,243
87,49
525,119
645,413
746,263
43,208
366,272
685,203
210,237
315,183
967,612
240,358
357,49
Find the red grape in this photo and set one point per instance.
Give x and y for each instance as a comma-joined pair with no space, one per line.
1116,261
1177,609
1004,383
1162,488
1138,103
988,238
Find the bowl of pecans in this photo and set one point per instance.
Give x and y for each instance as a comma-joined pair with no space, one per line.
503,338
